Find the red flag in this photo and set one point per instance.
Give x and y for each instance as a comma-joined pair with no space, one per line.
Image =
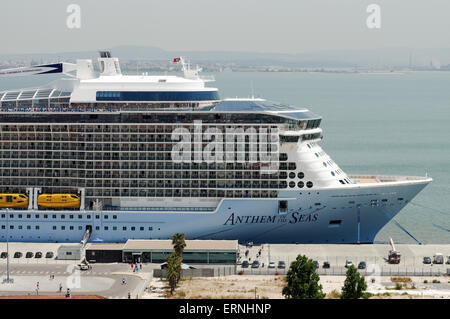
176,60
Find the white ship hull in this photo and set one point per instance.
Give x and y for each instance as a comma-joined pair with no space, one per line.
257,220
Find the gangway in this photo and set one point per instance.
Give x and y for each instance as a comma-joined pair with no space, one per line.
86,236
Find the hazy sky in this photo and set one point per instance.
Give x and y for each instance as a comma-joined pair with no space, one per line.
287,26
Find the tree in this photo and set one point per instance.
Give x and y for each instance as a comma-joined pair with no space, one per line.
179,242
302,280
173,270
354,285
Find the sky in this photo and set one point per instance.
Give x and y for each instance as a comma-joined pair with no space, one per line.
282,26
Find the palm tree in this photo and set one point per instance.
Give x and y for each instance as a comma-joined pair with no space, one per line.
179,242
173,271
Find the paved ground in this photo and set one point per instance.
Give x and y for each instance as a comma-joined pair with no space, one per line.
375,257
102,279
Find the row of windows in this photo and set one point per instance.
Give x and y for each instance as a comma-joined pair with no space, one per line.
55,216
147,165
37,227
107,122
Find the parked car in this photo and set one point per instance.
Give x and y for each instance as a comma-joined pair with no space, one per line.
244,264
326,264
38,255
281,264
4,255
427,260
84,266
348,263
438,258
29,254
271,264
316,263
18,254
49,254
255,264
362,265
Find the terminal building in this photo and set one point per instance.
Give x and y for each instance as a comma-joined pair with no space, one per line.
156,251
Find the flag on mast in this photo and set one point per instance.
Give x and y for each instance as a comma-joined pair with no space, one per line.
176,60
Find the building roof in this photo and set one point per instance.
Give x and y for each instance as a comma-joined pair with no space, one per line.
104,246
135,244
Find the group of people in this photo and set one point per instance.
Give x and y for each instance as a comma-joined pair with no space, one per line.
136,267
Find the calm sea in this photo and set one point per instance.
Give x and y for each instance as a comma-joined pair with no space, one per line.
393,124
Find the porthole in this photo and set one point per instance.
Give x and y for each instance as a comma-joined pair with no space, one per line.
324,164
292,166
301,184
291,175
332,173
291,184
300,175
309,184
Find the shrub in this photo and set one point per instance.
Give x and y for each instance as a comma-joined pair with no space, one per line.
401,279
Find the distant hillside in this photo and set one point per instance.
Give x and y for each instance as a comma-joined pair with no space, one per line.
342,58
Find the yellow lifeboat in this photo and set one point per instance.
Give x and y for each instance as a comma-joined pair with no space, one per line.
59,201
13,201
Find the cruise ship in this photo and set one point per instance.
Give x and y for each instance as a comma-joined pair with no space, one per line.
109,157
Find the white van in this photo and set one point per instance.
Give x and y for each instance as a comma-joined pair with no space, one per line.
438,258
